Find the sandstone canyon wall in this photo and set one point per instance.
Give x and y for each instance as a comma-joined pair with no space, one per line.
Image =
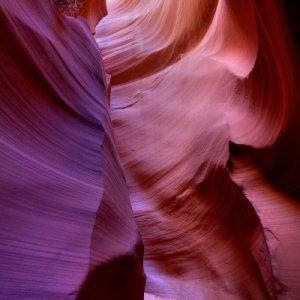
163,140
66,221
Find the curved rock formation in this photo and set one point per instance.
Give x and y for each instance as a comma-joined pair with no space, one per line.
186,132
189,78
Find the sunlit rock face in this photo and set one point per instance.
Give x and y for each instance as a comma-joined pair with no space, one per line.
67,229
182,137
191,82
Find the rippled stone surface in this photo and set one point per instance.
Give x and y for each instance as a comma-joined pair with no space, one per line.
66,227
181,122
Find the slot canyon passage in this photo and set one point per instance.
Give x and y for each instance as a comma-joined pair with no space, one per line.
149,150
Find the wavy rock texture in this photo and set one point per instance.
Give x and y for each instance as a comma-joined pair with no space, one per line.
193,81
67,229
203,100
